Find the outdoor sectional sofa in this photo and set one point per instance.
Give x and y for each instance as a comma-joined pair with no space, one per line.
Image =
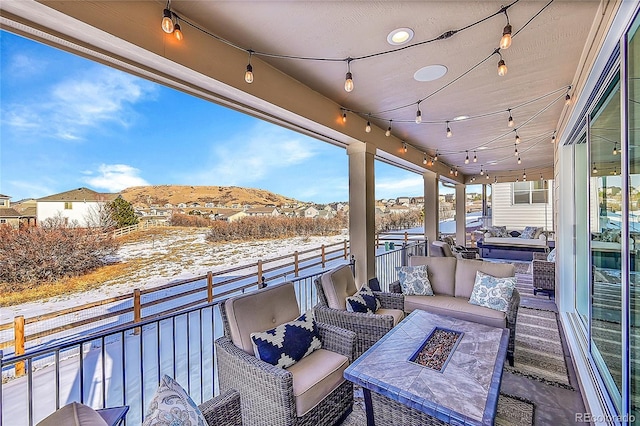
498,242
452,281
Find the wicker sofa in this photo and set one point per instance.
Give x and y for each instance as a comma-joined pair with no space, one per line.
452,282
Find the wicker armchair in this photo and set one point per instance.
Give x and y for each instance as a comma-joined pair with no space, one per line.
310,392
543,274
223,409
369,327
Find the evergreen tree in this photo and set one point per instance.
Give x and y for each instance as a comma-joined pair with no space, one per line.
122,213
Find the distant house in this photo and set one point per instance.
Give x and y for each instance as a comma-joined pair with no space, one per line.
8,215
398,209
262,211
228,215
403,200
311,212
325,214
289,212
78,205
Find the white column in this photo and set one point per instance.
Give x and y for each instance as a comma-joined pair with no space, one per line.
431,206
362,227
461,215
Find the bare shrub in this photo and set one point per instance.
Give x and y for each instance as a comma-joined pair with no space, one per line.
397,221
51,252
178,219
250,228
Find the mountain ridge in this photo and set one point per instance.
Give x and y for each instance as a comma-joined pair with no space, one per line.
218,195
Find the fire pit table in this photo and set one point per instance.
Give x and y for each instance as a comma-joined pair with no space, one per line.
432,370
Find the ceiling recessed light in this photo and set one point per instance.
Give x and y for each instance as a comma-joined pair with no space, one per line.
400,36
460,117
430,73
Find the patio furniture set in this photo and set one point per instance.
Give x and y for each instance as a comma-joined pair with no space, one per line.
440,364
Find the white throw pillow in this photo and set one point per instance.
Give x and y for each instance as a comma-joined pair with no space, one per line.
492,292
414,280
172,405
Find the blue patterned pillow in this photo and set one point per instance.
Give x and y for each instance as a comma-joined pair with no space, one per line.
551,257
172,406
492,292
414,280
529,232
363,301
498,231
288,343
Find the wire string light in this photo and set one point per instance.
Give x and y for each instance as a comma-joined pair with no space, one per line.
248,75
388,132
466,159
595,170
502,66
517,137
505,41
348,80
418,115
615,148
449,133
510,123
475,157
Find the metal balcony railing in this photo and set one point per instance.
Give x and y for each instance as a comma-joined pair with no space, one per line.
123,364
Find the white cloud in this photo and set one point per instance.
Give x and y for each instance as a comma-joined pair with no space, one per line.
81,103
22,65
257,154
392,188
115,177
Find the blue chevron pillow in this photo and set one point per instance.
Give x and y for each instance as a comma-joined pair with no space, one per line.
363,301
288,343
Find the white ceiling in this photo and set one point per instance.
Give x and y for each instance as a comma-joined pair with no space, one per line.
544,59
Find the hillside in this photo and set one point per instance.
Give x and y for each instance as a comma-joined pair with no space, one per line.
219,195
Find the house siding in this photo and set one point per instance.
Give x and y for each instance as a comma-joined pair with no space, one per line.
517,216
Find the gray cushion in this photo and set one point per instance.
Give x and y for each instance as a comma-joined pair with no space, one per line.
260,310
338,284
456,307
441,272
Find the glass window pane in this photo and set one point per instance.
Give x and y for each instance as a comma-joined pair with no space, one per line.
605,200
634,209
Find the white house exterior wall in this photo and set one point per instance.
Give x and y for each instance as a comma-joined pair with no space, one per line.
517,216
79,212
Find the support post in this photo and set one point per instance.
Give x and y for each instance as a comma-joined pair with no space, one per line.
18,333
209,287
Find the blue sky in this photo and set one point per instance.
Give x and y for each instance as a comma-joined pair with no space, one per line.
67,122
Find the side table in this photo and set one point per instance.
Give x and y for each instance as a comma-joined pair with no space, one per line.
114,416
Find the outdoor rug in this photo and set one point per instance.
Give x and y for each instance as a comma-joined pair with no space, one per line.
538,353
512,411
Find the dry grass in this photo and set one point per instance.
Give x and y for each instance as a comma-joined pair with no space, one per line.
45,290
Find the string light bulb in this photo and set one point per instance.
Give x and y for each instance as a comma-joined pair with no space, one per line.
615,171
487,176
344,117
424,159
348,81
553,137
495,179
368,127
595,170
177,32
510,123
248,76
466,159
435,157
481,171
505,41
519,160
167,21
449,133
388,132
524,175
516,152
502,67
517,137
567,99
615,148
404,146
450,171
455,173
418,115
475,157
